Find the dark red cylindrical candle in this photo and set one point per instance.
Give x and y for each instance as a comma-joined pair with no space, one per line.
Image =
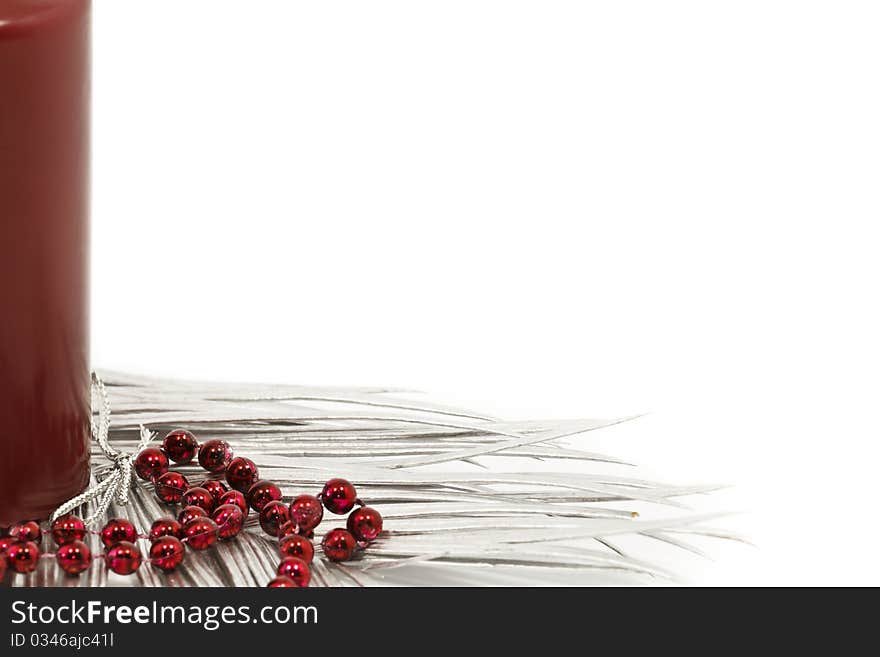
44,154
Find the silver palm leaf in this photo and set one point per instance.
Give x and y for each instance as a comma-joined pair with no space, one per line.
467,499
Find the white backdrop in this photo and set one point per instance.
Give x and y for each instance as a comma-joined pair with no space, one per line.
532,208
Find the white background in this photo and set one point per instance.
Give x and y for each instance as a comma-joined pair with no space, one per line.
533,208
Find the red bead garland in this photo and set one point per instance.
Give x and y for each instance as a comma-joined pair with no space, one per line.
365,524
165,527
211,512
67,529
242,473
198,496
151,464
298,546
117,530
27,531
215,455
23,557
189,514
307,512
296,569
261,493
124,558
339,496
74,557
229,520
217,489
166,553
200,533
238,499
180,446
171,486
273,516
338,545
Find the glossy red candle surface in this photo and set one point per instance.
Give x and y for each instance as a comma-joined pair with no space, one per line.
44,361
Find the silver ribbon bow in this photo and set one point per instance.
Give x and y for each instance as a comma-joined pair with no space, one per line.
117,484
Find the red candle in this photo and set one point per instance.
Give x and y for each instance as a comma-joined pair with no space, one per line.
44,150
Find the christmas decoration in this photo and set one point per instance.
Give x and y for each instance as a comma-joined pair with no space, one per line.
402,453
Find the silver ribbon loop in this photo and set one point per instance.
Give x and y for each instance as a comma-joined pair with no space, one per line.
116,485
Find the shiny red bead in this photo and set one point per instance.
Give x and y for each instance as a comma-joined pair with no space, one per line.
216,488
238,499
171,486
273,516
151,464
338,545
166,527
67,529
116,531
6,542
229,520
181,446
190,513
307,512
282,583
296,569
23,557
74,557
27,531
339,496
123,558
198,496
200,534
297,546
261,493
365,524
241,473
166,553
215,455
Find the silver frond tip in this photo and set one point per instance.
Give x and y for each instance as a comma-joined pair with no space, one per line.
467,499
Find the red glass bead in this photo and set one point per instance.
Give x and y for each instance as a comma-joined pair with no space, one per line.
238,499
216,488
198,496
200,533
181,446
306,511
171,486
297,546
296,569
166,553
6,542
282,583
117,530
229,520
273,516
123,558
23,556
241,473
215,455
191,513
261,493
166,527
74,557
339,496
27,531
151,464
365,524
338,545
67,529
